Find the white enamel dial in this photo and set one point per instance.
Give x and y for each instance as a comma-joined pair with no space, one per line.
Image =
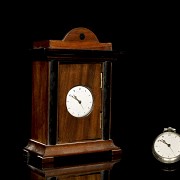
166,147
79,101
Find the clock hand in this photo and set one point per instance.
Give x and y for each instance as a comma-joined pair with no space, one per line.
162,140
79,101
169,145
171,149
75,98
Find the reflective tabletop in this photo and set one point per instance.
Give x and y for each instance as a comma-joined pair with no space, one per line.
95,168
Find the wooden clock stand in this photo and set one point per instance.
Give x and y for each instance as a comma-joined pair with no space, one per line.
80,61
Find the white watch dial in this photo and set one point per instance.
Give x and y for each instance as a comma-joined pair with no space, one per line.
166,147
79,101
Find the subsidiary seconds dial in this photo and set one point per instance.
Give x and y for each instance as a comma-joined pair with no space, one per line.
79,101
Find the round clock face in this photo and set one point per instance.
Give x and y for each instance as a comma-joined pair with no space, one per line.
166,147
79,101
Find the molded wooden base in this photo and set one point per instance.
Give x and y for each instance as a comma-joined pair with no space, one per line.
47,153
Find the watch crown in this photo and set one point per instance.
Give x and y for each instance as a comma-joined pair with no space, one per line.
169,129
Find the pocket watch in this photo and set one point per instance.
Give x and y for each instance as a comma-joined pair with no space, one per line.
166,146
79,101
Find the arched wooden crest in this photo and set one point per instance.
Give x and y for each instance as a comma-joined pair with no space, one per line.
77,38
